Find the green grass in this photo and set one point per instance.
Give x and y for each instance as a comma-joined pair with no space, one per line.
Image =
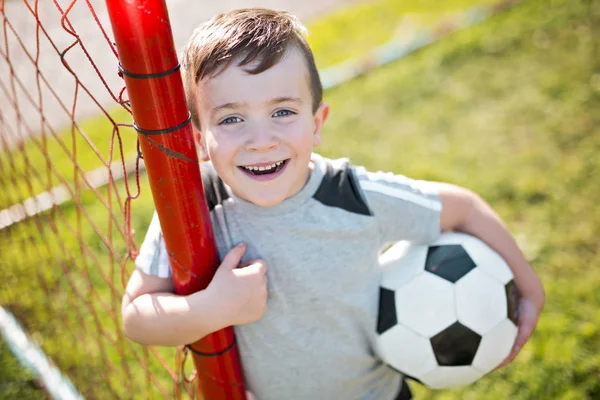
508,109
16,383
357,29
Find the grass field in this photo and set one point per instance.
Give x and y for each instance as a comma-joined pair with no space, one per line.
15,382
508,109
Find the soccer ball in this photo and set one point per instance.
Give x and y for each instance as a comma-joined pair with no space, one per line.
447,310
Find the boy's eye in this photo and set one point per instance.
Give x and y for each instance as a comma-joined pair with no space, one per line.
283,113
230,120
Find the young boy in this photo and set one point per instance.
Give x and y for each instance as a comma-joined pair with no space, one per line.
305,231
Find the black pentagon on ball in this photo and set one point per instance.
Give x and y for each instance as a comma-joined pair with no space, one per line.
450,262
512,301
387,310
455,346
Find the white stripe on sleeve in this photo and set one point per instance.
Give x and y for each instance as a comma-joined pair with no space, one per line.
406,195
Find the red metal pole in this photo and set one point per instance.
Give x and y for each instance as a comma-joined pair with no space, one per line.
150,67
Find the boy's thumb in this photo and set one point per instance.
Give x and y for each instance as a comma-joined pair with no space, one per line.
233,257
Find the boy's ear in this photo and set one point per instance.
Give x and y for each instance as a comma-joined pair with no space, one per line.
201,148
319,120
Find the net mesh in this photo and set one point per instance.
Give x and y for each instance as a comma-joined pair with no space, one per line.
69,169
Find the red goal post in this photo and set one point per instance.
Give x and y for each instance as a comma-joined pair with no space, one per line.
150,68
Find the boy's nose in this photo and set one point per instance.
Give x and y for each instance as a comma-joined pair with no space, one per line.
262,140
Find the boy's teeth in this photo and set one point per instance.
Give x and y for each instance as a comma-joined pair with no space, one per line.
274,165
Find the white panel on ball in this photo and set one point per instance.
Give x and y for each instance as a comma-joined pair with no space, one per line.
426,305
408,261
480,301
495,346
488,260
448,377
395,252
407,351
448,238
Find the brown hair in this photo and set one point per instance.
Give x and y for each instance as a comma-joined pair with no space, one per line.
247,34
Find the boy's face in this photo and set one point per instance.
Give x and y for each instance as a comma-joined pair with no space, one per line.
259,130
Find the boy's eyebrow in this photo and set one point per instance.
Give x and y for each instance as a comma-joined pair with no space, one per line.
284,99
227,105
276,100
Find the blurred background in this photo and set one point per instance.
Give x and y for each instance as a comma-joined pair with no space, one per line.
501,98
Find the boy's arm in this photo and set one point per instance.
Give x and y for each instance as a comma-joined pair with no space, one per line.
236,295
407,209
465,211
153,315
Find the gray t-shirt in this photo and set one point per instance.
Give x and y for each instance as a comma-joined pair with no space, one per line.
315,340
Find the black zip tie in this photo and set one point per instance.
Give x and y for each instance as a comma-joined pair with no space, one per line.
148,76
199,353
162,131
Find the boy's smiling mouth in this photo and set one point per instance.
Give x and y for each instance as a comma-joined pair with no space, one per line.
264,169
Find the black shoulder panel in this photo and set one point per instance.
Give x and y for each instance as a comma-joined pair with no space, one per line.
214,189
340,188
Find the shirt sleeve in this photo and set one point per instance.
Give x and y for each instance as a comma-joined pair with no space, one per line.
153,258
404,208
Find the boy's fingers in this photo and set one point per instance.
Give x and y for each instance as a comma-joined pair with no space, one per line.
254,266
525,330
261,266
233,257
528,317
511,356
507,361
526,327
527,323
251,262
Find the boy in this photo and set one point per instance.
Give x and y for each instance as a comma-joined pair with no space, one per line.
304,231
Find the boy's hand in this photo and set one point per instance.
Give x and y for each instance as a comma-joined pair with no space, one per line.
240,292
530,308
